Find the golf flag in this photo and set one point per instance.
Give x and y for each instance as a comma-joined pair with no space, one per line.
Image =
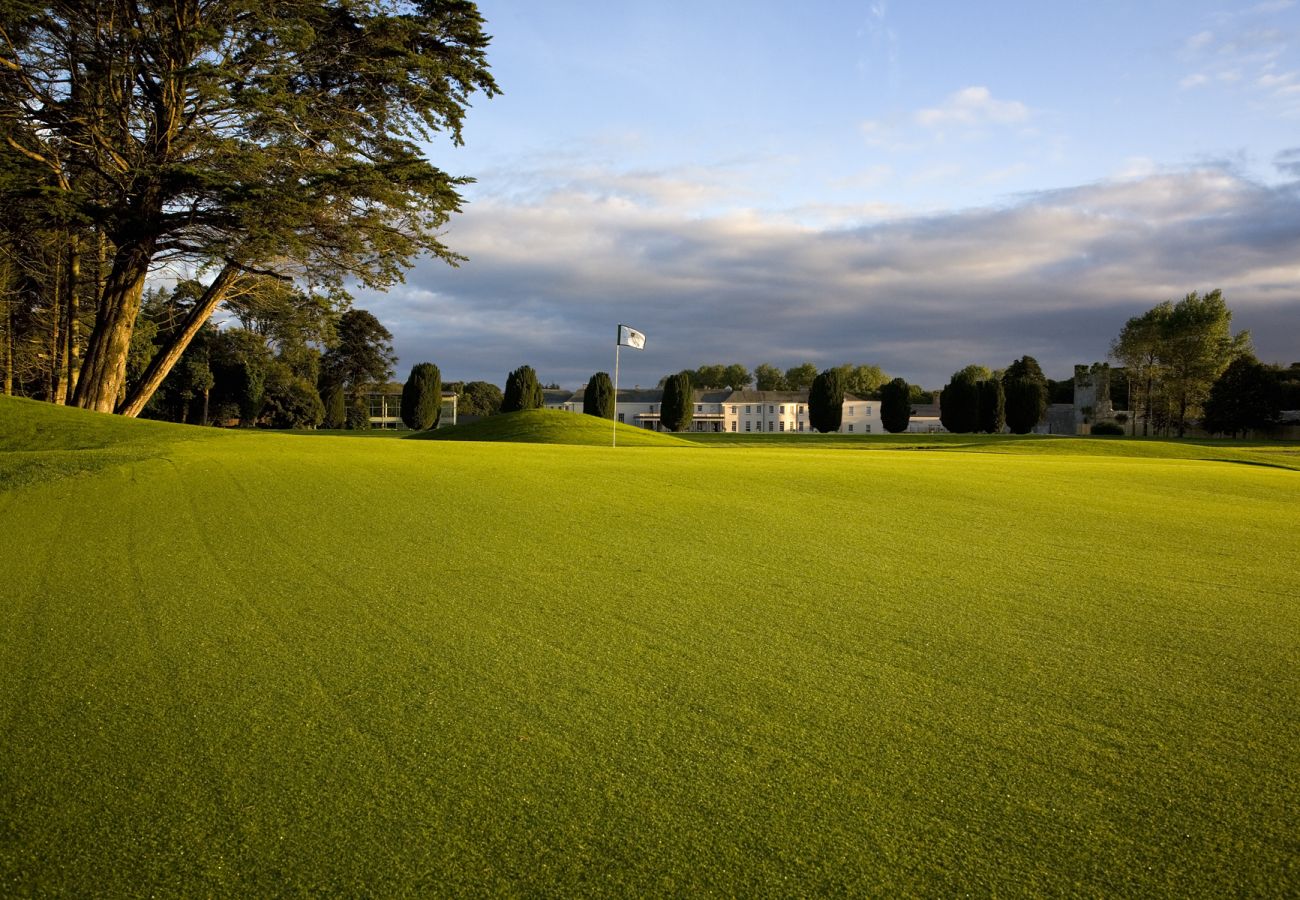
630,337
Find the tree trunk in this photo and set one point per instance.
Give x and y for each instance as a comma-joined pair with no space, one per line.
204,421
166,358
55,394
72,327
103,371
9,346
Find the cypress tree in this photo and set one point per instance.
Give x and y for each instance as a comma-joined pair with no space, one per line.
959,404
598,398
422,397
992,406
895,405
826,401
523,391
676,410
1026,394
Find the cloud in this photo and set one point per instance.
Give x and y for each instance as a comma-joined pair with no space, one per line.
973,106
1054,275
1288,162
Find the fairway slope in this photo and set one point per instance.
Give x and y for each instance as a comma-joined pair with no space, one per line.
1279,454
550,426
40,441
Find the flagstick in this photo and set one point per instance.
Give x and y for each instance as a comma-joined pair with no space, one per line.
617,337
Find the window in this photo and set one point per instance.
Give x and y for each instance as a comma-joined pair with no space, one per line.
868,410
771,409
620,417
759,423
850,426
867,428
783,410
733,412
733,426
747,424
699,407
781,425
746,410
801,426
850,410
652,407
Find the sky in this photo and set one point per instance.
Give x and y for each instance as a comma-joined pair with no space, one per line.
916,185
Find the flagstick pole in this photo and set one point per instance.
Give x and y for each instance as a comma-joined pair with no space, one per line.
617,336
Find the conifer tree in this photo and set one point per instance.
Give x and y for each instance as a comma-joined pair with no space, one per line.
895,405
676,410
523,391
826,401
422,397
598,398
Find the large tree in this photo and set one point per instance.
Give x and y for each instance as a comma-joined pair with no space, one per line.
676,409
1138,349
362,358
1026,391
959,400
769,378
862,380
1246,397
826,401
244,137
1198,345
800,377
895,405
598,398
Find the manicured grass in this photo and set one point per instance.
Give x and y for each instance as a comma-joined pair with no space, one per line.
550,426
248,665
1275,453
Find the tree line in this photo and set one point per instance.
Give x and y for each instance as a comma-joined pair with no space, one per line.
242,144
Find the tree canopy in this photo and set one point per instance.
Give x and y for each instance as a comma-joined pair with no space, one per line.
239,137
1246,397
1173,354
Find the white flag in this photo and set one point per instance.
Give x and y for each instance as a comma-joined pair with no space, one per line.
630,337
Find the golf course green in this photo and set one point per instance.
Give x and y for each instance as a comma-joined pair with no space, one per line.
255,664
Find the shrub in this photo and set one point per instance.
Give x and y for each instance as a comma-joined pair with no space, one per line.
1113,428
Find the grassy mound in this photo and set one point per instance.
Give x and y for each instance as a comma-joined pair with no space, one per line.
40,441
260,665
550,426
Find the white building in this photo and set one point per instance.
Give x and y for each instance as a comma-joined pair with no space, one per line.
736,412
